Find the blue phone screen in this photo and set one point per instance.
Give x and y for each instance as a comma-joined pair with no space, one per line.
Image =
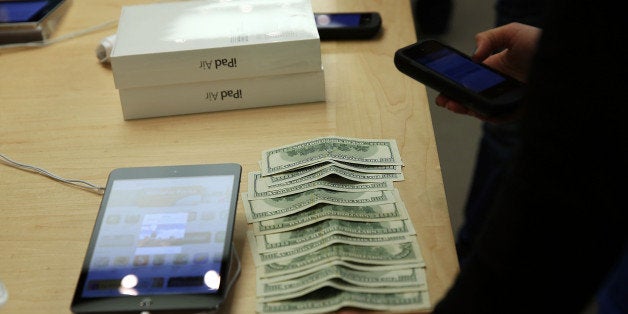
461,70
20,11
338,20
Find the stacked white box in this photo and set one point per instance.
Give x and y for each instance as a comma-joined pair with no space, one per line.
200,56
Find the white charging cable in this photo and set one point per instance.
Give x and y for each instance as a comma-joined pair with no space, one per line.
237,271
103,51
4,294
78,183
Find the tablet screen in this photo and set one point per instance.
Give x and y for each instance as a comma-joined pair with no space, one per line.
22,11
26,10
161,236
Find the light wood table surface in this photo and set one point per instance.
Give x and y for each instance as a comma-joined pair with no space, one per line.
59,110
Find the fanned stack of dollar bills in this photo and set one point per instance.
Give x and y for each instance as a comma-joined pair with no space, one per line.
330,230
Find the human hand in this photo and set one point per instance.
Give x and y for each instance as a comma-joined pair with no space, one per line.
516,44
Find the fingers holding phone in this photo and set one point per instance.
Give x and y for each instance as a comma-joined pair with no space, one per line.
456,107
508,49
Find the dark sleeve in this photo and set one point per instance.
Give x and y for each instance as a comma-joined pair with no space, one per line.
559,224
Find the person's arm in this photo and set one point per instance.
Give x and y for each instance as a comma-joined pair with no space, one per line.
558,225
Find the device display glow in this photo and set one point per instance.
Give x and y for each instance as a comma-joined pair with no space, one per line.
161,236
212,280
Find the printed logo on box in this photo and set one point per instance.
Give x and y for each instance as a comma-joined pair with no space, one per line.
218,64
221,95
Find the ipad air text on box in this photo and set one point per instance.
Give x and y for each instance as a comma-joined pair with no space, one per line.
155,101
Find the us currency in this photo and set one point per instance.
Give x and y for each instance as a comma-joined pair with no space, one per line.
383,212
384,280
364,168
329,300
258,190
341,285
324,149
268,208
330,171
327,229
319,172
333,263
282,177
357,257
274,256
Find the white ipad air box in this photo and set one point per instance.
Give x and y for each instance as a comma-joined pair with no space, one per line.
283,89
209,40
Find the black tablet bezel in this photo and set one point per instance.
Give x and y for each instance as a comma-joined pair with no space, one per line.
160,303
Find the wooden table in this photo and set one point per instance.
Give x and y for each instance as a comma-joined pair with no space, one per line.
59,110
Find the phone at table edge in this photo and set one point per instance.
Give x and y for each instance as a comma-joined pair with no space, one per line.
456,75
347,25
162,241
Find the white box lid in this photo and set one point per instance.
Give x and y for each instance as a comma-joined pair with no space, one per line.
193,25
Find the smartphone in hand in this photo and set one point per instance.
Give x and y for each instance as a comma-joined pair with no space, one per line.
456,75
354,25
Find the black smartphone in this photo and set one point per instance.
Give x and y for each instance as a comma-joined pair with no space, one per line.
456,75
346,25
162,241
